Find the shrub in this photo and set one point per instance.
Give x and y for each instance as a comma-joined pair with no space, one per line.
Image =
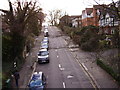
76,39
90,45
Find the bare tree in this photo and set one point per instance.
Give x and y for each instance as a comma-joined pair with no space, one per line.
54,16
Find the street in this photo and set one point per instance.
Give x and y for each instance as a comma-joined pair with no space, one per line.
64,70
49,44
69,67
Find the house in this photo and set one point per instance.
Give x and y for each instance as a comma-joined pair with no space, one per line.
87,17
76,21
96,13
90,16
108,20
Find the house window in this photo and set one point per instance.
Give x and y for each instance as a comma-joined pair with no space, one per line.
107,20
112,22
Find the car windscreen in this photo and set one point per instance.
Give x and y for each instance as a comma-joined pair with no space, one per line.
35,83
44,41
44,45
43,53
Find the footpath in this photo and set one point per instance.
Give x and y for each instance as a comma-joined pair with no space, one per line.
26,71
88,61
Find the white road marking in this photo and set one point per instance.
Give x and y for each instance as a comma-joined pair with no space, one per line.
84,66
62,69
63,84
56,50
70,76
59,66
57,56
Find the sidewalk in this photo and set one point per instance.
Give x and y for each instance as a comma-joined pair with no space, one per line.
88,59
26,71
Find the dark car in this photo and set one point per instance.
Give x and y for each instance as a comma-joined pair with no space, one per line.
46,33
38,81
43,56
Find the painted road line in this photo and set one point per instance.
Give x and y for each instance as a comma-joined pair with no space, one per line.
57,56
60,66
62,69
47,76
70,76
56,50
84,66
63,84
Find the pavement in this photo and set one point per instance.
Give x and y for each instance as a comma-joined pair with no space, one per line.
26,71
88,61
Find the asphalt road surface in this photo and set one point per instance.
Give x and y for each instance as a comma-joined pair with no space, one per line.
63,71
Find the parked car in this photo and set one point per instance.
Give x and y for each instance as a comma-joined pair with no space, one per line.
46,33
43,56
38,81
45,39
44,42
44,46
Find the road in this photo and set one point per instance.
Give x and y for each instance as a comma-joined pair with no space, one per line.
63,71
69,66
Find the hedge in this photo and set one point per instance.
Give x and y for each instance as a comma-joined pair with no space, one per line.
109,70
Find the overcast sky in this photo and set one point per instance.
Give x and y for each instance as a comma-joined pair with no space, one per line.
72,7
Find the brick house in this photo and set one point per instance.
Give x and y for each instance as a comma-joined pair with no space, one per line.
96,14
90,16
87,17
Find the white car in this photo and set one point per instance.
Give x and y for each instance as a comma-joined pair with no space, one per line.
45,39
43,56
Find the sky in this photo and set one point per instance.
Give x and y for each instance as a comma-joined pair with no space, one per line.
71,7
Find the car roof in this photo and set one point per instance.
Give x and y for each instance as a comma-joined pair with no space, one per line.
43,50
37,75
